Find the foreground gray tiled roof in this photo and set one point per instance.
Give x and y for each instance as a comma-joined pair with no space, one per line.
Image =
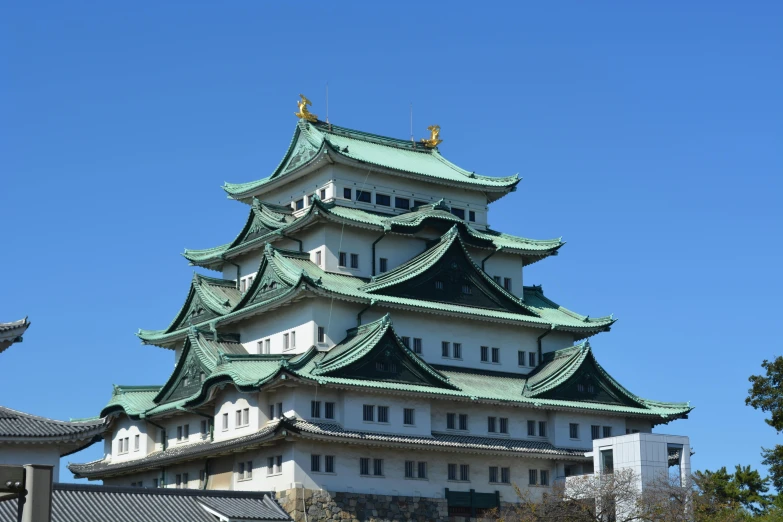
11,333
19,425
89,503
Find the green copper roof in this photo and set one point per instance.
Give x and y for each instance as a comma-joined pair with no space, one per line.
437,215
294,274
312,141
133,400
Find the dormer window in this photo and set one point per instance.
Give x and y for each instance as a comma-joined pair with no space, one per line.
471,216
438,285
466,290
459,212
299,205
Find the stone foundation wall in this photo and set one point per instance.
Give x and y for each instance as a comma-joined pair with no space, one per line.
359,507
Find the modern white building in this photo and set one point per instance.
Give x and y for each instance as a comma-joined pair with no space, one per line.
367,333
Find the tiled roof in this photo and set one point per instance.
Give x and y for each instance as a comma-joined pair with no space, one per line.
19,425
11,333
311,141
92,503
438,213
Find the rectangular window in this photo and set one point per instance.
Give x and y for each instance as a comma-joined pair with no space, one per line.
271,411
459,212
241,471
410,466
463,421
383,414
504,425
329,464
155,483
416,345
329,410
363,196
260,346
279,464
402,203
532,477
318,257
185,480
495,355
383,200
315,409
521,358
531,359
531,428
445,348
485,354
270,465
347,193
293,339
505,475
364,466
267,344
249,469
354,260
280,410
417,203
322,194
178,480
471,216
422,470
467,290
406,341
204,427
464,472
408,416
136,442
187,431
286,342
315,463
496,279
607,431
544,474
573,430
595,432
492,425
238,418
242,285
225,421
493,474
452,472
384,265
438,285
542,428
450,417
457,350
368,414
246,416
179,433
321,334
299,204
507,283
343,260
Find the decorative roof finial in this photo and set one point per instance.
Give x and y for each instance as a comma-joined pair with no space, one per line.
303,112
434,138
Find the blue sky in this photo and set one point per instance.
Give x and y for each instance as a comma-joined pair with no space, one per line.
648,136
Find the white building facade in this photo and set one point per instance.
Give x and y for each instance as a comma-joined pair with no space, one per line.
367,332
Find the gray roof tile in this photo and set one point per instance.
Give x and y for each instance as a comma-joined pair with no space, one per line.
15,424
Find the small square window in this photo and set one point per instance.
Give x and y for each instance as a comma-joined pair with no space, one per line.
459,212
416,345
438,285
408,417
347,193
467,290
354,260
363,196
383,200
471,216
495,355
402,203
299,204
384,265
342,259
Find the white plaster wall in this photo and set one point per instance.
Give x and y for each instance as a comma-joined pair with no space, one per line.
297,317
229,401
146,478
300,188
129,428
477,419
472,335
347,478
398,249
504,265
353,406
561,422
20,454
643,425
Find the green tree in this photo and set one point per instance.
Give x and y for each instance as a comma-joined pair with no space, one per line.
744,488
766,394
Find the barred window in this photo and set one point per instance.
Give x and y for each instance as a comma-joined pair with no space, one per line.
457,351
383,414
493,473
368,413
495,355
463,421
409,467
491,424
507,283
438,285
521,358
321,334
377,467
406,341
485,354
354,260
315,409
505,475
573,430
384,265
532,477
544,477
542,428
531,358
452,472
503,425
363,196
607,431
531,428
422,470
329,464
445,348
595,432
279,464
315,463
450,417
342,259
329,410
364,466
408,416
464,472
417,345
